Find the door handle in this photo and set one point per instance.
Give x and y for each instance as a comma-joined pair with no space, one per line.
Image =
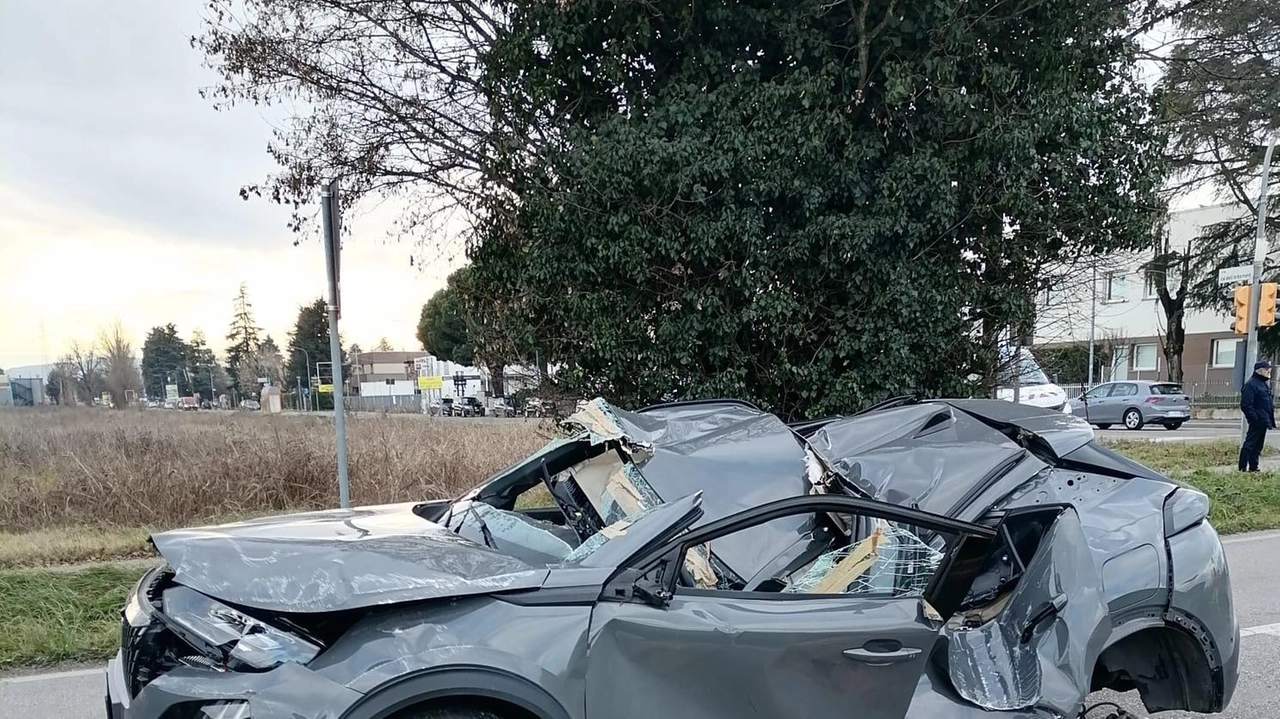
880,659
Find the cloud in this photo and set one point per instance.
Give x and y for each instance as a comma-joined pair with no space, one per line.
99,107
119,194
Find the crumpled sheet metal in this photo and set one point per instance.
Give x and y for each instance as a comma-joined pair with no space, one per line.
275,694
926,456
991,666
544,644
739,456
600,421
337,560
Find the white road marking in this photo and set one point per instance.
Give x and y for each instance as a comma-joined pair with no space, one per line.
53,675
1272,629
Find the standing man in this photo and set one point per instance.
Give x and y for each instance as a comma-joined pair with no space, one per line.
1258,406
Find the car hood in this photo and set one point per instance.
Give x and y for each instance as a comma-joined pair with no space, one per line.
337,560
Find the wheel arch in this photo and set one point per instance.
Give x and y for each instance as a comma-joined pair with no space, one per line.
492,688
1173,664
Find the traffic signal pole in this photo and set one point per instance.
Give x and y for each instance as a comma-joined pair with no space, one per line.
1259,257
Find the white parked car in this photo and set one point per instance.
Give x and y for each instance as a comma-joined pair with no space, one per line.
1034,387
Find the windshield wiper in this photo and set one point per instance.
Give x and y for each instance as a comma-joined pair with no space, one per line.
484,528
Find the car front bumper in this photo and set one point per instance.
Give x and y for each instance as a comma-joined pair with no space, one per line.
286,692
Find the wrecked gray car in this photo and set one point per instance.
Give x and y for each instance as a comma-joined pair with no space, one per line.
960,559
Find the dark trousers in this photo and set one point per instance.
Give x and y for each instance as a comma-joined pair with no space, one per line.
1251,450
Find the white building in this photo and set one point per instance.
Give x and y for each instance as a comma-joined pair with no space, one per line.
1127,317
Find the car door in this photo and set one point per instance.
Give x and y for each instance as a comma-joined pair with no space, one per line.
1093,403
796,641
1122,396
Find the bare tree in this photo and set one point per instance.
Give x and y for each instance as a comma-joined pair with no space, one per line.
85,367
120,365
389,95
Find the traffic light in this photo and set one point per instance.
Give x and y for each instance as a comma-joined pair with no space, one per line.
1241,324
1267,305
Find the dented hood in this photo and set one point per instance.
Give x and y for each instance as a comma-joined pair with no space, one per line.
338,559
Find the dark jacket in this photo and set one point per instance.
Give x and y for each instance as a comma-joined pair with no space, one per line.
1256,402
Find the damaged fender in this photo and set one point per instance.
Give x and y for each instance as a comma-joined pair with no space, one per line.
1040,649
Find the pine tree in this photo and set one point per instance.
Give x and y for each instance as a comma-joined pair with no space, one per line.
242,353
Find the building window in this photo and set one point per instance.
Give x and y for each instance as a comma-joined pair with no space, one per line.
1144,358
1224,352
1149,286
1115,287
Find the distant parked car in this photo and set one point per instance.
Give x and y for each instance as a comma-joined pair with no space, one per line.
500,408
189,403
471,407
250,404
1134,404
533,407
446,407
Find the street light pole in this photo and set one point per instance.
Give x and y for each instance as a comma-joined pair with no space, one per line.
330,220
1259,257
307,356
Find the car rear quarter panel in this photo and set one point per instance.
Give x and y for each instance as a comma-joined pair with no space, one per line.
1123,522
543,645
1202,595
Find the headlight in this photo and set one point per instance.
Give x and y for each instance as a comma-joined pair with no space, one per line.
137,608
236,637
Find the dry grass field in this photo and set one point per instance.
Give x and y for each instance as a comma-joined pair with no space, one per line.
95,468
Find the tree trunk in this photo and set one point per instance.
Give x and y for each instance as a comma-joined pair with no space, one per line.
1175,336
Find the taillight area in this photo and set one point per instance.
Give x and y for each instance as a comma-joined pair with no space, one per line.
1155,400
1183,508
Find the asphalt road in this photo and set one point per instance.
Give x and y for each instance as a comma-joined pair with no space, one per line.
1196,430
77,694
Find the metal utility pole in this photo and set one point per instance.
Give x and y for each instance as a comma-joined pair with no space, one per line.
1259,257
329,212
1017,370
306,356
1093,321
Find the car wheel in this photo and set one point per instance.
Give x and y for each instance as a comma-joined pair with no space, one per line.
1172,425
1104,425
449,713
1132,419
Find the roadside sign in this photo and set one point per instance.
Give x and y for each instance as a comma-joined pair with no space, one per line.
1235,275
171,392
429,382
326,389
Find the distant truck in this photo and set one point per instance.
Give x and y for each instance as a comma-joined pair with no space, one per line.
189,404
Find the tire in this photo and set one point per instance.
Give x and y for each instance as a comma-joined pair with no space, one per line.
1172,425
1132,419
461,712
1104,425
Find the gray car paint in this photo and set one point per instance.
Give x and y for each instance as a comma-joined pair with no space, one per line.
738,456
791,651
337,560
1108,409
543,632
993,666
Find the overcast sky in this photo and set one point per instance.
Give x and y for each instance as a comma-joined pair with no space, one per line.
119,194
